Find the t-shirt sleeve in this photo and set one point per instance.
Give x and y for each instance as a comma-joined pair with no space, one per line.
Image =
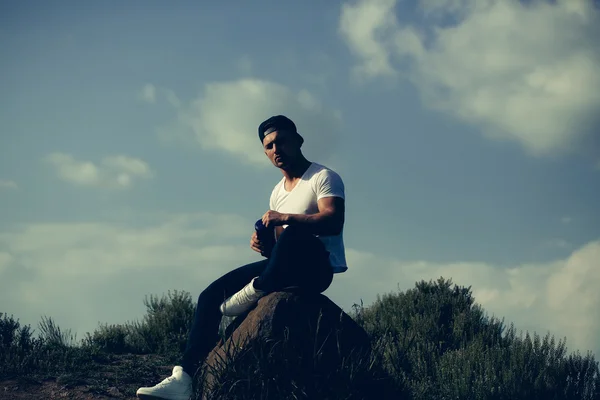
272,199
329,184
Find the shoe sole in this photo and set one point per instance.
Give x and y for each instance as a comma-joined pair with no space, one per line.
151,397
142,396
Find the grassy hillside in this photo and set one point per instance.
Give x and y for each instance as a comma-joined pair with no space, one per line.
430,342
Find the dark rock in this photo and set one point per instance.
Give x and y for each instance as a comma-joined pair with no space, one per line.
312,331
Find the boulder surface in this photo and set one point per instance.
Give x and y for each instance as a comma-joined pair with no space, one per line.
309,328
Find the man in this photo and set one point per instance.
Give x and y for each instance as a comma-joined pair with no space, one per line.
306,209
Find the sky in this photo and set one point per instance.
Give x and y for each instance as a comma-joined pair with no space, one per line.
466,132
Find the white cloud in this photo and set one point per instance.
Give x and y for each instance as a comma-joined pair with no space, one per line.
225,118
172,98
364,26
113,171
83,273
521,72
559,297
566,220
148,93
8,184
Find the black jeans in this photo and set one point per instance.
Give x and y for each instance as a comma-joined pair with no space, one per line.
297,259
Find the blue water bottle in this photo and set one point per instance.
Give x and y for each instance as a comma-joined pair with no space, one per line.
266,236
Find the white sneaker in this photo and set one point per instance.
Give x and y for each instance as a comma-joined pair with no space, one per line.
176,387
242,300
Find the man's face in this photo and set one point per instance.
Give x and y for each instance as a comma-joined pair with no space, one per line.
282,148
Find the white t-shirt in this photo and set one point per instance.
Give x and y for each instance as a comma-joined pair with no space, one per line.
317,182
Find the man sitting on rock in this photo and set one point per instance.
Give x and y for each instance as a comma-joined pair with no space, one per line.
307,210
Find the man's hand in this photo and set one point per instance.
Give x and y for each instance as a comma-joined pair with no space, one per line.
274,218
255,244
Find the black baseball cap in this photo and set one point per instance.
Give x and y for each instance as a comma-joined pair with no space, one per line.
277,123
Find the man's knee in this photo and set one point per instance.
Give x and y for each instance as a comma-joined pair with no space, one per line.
295,231
211,294
299,236
325,279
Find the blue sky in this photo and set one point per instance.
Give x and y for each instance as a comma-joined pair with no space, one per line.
465,132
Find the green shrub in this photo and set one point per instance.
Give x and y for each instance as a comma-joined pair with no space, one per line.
52,352
439,344
165,327
110,339
163,330
51,334
430,342
13,335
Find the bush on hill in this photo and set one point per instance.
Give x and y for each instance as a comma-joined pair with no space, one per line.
432,341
